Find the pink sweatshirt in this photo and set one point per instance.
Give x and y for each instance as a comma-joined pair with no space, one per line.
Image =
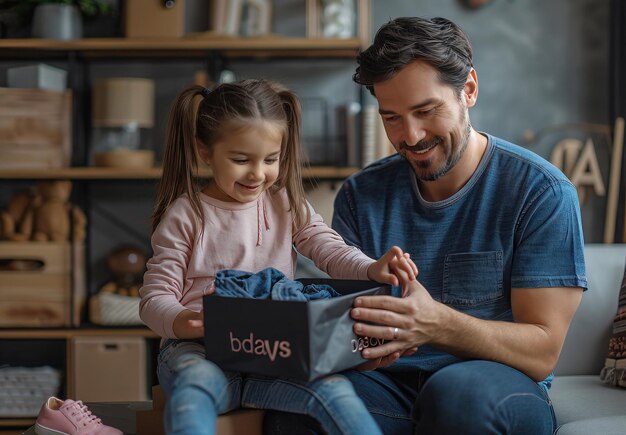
249,237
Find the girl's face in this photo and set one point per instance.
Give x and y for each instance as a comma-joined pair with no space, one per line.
244,162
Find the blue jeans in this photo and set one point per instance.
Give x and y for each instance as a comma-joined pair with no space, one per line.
472,397
198,391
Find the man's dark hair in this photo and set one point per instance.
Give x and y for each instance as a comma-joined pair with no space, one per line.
438,42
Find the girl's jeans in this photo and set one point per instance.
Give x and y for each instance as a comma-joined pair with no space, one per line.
198,390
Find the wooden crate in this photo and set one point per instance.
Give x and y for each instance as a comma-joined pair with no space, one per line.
35,128
247,421
50,295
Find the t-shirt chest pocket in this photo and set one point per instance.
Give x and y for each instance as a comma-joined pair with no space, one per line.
472,278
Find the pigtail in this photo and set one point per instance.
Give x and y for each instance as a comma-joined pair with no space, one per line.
290,175
180,164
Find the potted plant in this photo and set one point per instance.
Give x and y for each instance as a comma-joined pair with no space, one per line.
58,19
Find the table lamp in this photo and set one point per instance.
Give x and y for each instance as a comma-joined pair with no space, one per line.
121,107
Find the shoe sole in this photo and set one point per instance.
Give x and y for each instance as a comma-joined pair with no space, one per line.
43,430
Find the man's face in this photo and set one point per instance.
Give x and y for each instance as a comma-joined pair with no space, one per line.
424,119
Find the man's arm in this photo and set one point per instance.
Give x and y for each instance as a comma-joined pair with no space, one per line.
531,344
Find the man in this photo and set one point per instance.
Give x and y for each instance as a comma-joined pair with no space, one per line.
495,231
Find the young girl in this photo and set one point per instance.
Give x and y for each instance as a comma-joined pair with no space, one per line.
250,216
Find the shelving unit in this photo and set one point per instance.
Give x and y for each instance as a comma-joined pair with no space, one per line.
216,50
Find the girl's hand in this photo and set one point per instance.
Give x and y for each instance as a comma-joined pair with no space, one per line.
210,289
385,269
189,324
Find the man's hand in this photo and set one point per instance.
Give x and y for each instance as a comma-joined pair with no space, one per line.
541,318
389,352
404,323
383,361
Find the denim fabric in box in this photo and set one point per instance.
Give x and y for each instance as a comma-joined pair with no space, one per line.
301,340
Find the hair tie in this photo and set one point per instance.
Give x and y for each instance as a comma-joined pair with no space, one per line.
205,92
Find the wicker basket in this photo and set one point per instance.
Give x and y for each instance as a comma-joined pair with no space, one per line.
113,309
24,389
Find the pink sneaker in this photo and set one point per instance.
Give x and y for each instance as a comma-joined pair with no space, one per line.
58,417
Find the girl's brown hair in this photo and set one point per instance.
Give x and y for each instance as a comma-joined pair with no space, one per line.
229,106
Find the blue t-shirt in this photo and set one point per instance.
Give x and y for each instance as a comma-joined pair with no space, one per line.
516,223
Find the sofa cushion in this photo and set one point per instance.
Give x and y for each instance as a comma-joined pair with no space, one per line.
585,346
603,425
580,398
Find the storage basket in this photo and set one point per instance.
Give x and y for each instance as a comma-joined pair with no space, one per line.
24,389
113,309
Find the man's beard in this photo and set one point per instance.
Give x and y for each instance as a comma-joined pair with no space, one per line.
420,167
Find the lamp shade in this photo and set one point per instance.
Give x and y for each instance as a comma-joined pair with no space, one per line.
117,102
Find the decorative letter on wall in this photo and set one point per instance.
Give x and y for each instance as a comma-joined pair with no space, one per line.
580,164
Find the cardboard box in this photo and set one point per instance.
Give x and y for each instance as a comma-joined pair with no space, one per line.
35,128
301,340
151,19
40,76
35,284
108,369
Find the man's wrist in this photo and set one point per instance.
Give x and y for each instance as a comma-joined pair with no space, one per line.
443,324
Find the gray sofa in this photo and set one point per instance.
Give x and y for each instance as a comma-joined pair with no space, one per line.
583,404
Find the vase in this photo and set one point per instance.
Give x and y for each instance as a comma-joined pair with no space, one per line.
338,18
57,21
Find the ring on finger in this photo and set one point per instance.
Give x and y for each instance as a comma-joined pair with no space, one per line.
395,333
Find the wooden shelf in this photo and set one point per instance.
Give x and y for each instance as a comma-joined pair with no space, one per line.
94,173
191,46
17,422
41,333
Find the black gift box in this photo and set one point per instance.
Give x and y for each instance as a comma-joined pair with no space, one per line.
300,340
